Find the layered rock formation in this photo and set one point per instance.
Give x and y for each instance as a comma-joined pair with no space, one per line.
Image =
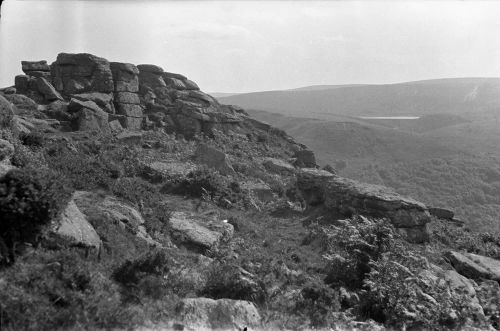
348,197
138,97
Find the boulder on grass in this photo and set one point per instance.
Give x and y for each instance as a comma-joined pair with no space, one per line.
214,158
222,314
474,266
74,225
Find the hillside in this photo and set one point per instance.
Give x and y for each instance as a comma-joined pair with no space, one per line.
132,200
465,97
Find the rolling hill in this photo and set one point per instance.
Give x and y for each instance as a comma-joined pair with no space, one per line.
466,97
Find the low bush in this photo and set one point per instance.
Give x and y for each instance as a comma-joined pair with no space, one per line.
227,281
317,303
144,276
59,290
29,200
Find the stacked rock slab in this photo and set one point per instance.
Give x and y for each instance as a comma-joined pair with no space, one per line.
132,97
348,197
37,81
126,95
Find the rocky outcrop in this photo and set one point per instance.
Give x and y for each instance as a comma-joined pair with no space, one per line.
305,159
278,166
74,225
197,234
348,197
222,314
441,213
81,73
474,266
126,97
139,97
214,158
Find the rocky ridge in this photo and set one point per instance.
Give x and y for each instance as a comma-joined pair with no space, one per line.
230,164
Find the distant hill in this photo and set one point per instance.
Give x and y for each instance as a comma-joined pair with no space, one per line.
465,97
363,143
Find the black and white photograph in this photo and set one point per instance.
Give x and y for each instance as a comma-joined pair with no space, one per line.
249,165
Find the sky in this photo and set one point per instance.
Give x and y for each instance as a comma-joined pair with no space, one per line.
245,46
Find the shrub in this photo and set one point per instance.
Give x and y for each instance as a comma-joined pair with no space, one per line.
317,303
208,185
60,291
143,276
32,139
29,199
405,298
352,247
227,281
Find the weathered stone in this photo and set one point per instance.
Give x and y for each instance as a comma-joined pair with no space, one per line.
6,149
174,75
197,234
347,197
115,127
305,158
28,66
43,74
22,103
74,225
158,171
150,68
222,314
441,213
6,112
21,82
80,73
89,116
474,266
132,137
190,85
174,83
48,91
9,90
125,76
259,190
103,100
131,110
59,110
278,166
127,97
131,123
214,158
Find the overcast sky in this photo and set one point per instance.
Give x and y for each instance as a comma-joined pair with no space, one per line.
242,46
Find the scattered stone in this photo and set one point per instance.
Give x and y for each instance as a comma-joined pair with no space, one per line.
474,266
115,127
222,314
197,234
214,158
74,225
157,171
259,190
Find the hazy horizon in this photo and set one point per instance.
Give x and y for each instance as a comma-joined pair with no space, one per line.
249,46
